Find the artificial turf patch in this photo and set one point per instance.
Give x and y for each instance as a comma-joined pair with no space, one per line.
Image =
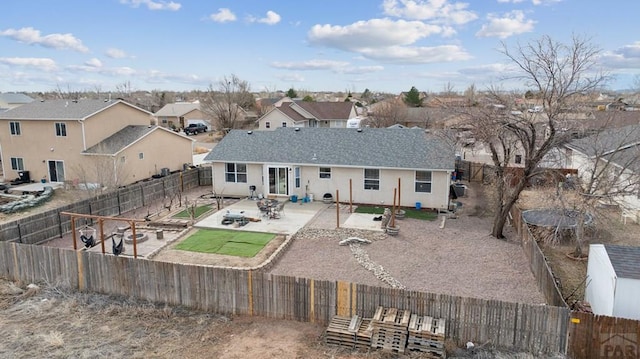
227,242
199,211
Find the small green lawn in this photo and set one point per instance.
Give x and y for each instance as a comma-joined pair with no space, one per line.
227,242
409,212
199,211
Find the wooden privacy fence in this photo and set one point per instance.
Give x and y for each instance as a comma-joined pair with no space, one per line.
599,336
538,264
532,328
45,226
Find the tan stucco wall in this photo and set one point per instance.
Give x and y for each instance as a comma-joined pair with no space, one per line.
112,120
37,144
276,118
438,198
161,149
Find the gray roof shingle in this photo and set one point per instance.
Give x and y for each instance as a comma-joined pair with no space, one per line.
14,98
57,109
625,260
119,140
370,147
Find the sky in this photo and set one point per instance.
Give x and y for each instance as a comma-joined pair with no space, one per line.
326,45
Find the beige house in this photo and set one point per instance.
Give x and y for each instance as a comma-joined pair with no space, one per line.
87,141
177,115
314,161
294,113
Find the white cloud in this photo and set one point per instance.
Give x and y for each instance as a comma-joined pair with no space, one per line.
310,65
93,62
512,1
359,70
271,18
440,11
417,55
544,2
32,36
511,23
115,53
223,15
371,33
154,5
44,64
626,57
291,77
387,40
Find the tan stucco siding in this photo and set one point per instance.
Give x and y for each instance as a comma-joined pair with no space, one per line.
438,198
221,186
160,149
276,118
111,120
38,144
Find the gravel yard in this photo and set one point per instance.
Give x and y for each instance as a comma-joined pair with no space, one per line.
462,259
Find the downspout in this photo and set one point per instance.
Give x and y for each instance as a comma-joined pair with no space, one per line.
115,170
84,140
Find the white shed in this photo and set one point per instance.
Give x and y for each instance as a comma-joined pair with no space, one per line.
613,280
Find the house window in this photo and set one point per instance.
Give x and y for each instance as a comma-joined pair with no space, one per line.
15,128
372,178
122,159
267,124
61,129
284,124
236,172
325,172
296,175
423,181
17,164
164,121
518,159
141,155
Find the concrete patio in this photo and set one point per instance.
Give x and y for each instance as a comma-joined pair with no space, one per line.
294,217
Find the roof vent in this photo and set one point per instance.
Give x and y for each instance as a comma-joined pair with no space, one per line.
249,132
297,129
359,130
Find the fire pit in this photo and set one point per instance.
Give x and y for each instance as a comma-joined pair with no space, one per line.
140,237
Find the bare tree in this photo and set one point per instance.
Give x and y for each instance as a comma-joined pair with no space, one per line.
226,102
559,73
100,172
387,113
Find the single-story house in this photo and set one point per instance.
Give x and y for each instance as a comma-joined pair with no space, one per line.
296,113
314,161
176,115
613,280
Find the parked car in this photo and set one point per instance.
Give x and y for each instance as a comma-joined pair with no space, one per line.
195,128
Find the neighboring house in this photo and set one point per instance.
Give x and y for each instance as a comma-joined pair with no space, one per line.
288,113
315,161
59,140
176,115
11,100
614,156
613,280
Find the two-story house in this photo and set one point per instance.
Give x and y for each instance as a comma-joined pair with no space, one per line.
99,142
295,113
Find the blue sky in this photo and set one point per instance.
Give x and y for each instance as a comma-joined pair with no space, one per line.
327,45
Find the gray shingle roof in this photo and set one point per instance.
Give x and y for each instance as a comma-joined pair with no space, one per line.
372,147
608,141
119,140
625,260
14,98
57,109
177,109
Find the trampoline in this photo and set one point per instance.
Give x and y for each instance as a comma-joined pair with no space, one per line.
556,218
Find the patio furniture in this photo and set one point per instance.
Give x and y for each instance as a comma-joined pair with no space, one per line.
269,208
230,218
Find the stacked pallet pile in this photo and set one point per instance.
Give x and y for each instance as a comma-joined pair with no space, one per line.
426,335
390,328
354,332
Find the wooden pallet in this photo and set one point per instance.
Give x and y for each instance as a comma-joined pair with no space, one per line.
354,332
426,335
390,329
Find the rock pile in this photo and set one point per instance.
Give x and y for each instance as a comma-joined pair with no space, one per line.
363,258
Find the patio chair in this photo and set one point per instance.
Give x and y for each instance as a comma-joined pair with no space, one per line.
264,208
279,210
